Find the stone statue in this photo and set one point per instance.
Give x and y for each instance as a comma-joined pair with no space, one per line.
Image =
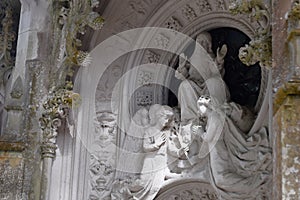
193,84
239,164
162,148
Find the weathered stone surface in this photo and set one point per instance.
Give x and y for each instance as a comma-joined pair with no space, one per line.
11,175
281,59
287,141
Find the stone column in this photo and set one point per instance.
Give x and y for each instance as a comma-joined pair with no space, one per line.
286,120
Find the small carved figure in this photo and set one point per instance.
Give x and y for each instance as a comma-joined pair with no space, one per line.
162,149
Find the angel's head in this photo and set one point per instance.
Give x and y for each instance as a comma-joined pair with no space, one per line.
161,116
165,117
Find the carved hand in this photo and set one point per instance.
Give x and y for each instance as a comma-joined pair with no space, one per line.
161,140
221,53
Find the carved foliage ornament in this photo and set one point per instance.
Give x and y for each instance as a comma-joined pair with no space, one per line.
70,17
55,109
260,48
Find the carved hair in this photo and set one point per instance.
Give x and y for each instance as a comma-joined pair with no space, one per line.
156,111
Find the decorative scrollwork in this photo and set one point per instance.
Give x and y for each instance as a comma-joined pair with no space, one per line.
260,48
70,18
55,109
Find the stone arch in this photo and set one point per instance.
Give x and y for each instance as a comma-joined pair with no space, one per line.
159,16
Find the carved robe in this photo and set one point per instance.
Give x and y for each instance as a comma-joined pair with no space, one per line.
238,163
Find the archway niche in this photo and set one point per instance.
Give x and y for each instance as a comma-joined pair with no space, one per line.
224,28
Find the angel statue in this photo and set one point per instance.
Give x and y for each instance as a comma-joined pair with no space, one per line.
162,149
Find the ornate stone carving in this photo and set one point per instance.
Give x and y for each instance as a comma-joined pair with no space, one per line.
260,48
55,109
70,18
103,156
107,83
204,6
138,7
145,78
151,57
162,41
144,98
173,23
220,4
189,13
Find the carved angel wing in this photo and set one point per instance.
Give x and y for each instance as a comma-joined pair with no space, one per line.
131,152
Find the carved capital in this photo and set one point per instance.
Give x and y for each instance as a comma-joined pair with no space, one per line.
55,110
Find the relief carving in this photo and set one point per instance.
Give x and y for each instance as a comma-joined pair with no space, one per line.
162,41
209,129
56,108
103,156
144,98
204,6
138,7
107,83
151,57
189,13
220,4
174,24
